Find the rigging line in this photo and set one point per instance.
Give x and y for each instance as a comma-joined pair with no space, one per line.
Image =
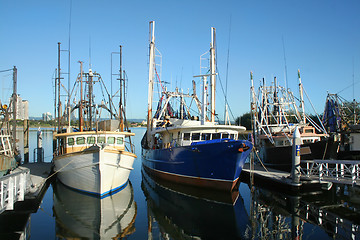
6,70
323,128
222,88
349,86
227,69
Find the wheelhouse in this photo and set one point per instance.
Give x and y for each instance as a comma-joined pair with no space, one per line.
79,141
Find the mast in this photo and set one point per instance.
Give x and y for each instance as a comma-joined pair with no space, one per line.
81,118
121,94
14,99
198,104
212,72
203,117
90,84
276,102
58,85
204,103
151,76
302,106
253,106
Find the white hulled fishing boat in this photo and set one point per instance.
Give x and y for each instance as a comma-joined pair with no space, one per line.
97,157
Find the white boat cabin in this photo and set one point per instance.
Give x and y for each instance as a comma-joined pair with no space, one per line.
79,141
307,134
186,132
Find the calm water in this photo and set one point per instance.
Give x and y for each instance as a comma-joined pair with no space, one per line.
154,210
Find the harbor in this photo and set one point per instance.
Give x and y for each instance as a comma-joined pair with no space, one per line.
325,214
179,120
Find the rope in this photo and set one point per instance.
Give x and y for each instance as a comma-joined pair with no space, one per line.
254,149
51,175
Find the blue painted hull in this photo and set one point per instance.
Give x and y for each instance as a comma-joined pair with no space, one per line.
215,164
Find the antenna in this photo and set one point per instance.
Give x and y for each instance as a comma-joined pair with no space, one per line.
68,104
353,78
227,73
69,51
286,87
89,51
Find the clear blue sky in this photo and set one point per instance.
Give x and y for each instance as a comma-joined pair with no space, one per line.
322,39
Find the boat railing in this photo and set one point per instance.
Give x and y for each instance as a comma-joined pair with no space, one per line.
12,189
337,171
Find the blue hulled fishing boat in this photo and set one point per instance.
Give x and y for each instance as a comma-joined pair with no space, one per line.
187,146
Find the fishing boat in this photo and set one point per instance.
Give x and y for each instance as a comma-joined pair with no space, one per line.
275,115
96,157
182,147
341,120
9,155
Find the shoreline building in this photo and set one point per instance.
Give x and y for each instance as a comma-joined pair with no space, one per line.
47,116
22,108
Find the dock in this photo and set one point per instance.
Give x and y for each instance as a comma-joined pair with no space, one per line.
281,180
15,217
39,173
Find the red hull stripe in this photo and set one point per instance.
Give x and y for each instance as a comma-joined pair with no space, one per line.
216,184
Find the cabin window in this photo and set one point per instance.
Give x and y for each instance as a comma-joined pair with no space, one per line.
205,136
111,140
225,135
80,140
308,130
232,136
90,140
195,137
70,141
216,136
186,136
120,140
101,140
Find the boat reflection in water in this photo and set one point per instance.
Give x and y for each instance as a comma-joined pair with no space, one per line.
182,212
85,216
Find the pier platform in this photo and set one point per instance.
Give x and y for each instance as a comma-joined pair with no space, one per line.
15,223
39,173
280,180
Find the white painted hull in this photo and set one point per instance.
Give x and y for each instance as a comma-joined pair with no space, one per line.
95,170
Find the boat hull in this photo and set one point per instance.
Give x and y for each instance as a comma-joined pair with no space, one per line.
95,171
281,157
212,165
